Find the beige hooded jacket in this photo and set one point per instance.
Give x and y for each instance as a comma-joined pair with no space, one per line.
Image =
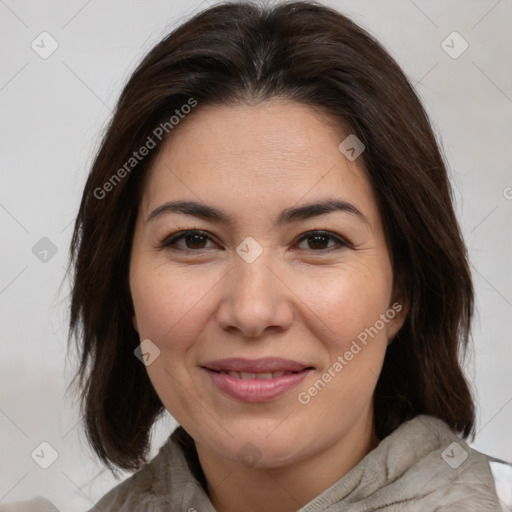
421,467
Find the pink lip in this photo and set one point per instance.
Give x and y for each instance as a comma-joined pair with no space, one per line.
256,390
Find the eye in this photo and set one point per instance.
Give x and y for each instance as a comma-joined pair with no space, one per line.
317,241
194,240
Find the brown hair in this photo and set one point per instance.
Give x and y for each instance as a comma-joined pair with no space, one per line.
306,52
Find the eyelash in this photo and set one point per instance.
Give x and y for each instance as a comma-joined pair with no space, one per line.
169,240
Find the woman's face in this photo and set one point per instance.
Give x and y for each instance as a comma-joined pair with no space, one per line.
254,292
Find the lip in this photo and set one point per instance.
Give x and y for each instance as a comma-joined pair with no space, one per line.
256,390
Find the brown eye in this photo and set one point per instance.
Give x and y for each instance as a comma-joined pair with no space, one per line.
318,241
194,241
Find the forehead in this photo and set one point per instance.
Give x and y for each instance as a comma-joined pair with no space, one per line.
268,154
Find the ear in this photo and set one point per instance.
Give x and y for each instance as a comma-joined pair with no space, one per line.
400,308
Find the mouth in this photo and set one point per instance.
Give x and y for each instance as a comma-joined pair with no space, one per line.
256,380
253,375
264,366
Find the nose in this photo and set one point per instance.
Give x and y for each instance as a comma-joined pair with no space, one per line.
255,299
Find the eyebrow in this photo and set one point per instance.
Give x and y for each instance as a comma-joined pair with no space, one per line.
287,216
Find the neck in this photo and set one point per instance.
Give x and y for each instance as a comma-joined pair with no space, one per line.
233,487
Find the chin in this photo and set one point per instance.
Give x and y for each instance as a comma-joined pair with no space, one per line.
264,450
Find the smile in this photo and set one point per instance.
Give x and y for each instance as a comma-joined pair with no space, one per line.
252,375
256,380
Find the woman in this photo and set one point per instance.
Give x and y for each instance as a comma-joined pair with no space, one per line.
267,249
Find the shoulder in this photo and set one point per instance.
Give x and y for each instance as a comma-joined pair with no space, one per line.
451,472
145,487
165,483
38,504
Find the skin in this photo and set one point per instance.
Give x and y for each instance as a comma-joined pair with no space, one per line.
299,299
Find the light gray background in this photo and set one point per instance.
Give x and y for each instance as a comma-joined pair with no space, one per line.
52,113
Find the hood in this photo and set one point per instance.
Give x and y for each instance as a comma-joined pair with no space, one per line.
422,466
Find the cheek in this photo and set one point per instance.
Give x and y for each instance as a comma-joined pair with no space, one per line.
348,306
170,306
346,302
